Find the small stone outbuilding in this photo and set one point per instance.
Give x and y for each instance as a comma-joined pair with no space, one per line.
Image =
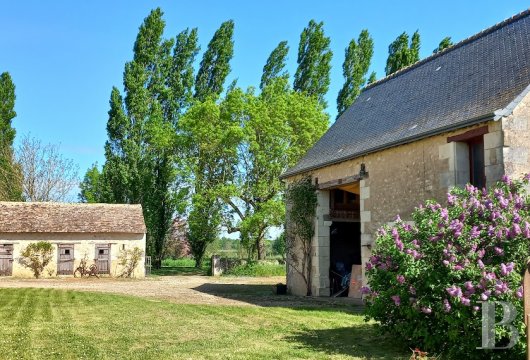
95,232
459,116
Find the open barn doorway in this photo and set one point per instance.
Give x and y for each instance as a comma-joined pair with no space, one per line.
345,241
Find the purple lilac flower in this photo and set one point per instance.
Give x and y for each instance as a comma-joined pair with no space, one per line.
469,285
451,199
458,267
426,310
507,269
516,230
365,290
475,232
501,287
454,291
412,290
481,253
476,308
465,301
445,262
485,295
396,299
526,231
400,279
446,306
480,264
416,243
519,292
499,251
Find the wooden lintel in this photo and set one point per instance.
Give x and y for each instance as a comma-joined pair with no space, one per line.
338,182
468,134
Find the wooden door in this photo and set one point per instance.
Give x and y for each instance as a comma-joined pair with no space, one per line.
103,258
6,260
65,260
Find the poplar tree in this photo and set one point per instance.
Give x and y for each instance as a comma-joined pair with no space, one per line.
402,54
372,78
215,63
142,163
312,75
275,65
10,173
445,43
358,56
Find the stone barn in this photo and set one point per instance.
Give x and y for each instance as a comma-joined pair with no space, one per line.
458,116
95,232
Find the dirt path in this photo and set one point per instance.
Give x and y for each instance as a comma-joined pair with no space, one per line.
184,289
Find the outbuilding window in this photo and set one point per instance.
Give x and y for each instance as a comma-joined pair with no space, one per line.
469,157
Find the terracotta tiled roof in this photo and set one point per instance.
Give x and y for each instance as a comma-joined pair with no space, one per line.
20,217
478,79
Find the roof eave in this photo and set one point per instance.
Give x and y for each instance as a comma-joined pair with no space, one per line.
496,115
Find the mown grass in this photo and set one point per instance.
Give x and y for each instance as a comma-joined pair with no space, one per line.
55,324
182,266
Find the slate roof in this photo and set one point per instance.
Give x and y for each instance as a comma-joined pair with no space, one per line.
21,217
478,79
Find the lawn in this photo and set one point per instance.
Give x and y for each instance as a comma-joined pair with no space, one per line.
53,324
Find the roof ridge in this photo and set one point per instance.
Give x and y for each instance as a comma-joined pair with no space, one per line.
53,203
459,44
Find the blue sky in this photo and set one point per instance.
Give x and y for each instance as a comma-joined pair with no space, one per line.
65,56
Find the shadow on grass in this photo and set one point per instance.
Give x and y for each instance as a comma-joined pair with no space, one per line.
178,270
263,295
362,340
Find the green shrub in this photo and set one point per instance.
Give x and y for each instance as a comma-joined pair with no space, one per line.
427,279
36,256
257,270
181,262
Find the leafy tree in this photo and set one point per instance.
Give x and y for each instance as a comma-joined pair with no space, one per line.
275,66
279,126
402,54
372,78
46,174
142,163
10,176
211,134
358,56
215,64
36,256
314,62
90,186
445,43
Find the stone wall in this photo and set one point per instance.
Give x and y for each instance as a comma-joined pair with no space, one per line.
398,180
84,244
516,136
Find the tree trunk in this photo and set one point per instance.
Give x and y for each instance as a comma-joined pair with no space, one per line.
262,250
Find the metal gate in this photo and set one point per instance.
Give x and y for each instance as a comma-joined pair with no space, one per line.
103,258
65,261
6,260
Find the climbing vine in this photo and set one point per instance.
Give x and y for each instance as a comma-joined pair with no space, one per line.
302,201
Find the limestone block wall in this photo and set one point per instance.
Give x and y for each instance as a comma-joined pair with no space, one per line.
516,140
398,180
84,244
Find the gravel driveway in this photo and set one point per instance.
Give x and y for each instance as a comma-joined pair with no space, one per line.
187,289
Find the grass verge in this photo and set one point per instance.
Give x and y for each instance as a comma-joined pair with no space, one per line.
55,324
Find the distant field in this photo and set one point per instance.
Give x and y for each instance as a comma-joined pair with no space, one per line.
58,324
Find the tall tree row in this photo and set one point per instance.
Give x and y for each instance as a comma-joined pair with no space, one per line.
215,63
357,59
314,62
402,52
10,172
275,65
142,162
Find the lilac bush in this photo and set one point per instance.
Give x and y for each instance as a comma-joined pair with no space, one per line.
426,280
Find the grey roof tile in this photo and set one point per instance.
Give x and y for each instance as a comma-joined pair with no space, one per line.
461,85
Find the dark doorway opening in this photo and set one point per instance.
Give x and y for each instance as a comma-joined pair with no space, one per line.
345,252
